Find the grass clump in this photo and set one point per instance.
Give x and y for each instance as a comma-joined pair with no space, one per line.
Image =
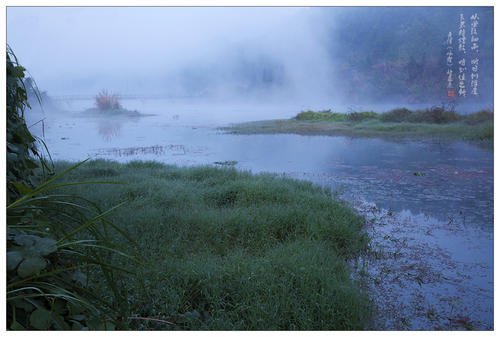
105,101
361,116
108,105
328,115
323,115
436,122
397,115
482,116
434,115
230,250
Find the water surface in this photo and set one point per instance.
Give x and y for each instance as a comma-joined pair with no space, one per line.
429,201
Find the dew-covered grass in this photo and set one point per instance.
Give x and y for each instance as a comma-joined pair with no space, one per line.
434,123
226,250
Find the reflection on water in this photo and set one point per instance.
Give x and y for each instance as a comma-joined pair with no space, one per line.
406,182
108,128
425,274
143,150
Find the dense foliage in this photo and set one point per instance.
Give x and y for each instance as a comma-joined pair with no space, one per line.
433,115
55,241
22,153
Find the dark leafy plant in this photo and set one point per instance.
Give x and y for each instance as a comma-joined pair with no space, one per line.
479,117
361,116
434,115
396,115
323,115
57,242
23,156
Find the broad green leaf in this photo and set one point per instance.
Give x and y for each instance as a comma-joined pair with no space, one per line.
80,318
75,308
31,164
40,319
14,148
18,71
36,245
16,326
77,326
46,246
25,240
11,157
14,257
31,266
23,304
100,326
59,323
59,307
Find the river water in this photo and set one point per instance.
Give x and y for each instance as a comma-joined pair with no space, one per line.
428,203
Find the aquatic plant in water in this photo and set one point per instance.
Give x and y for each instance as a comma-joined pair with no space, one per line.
105,101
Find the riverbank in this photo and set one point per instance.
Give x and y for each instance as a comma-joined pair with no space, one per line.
229,250
398,123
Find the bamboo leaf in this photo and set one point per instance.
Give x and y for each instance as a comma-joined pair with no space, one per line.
89,223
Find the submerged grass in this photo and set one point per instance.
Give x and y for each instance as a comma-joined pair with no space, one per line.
231,250
435,122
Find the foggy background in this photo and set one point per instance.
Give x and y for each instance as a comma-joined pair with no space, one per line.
333,57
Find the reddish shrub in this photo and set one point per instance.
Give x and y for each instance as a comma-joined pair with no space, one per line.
107,101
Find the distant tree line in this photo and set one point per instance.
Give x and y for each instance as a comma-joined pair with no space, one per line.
389,53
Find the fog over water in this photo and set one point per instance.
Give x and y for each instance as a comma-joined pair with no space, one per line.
189,71
339,58
172,51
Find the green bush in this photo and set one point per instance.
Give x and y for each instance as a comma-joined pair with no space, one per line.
396,115
56,242
323,115
434,115
479,117
361,116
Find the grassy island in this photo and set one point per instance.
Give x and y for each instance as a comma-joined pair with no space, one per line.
401,122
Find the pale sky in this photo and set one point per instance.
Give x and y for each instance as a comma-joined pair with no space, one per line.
66,48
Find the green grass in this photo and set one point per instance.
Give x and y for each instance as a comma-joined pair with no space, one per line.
228,250
323,115
397,123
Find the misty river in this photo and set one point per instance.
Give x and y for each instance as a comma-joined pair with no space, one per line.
428,203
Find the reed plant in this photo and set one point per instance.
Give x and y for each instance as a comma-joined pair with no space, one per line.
105,101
